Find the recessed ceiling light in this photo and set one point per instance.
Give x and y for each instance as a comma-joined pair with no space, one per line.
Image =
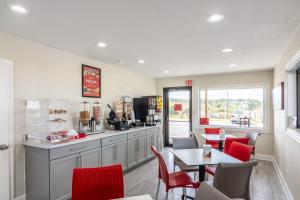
232,65
215,18
122,62
102,45
227,50
17,8
166,71
140,61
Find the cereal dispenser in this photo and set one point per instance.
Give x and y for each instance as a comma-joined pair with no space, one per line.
84,117
96,123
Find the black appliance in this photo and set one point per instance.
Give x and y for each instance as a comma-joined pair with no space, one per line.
112,120
146,109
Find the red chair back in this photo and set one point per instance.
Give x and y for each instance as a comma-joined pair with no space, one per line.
229,140
98,183
214,144
240,151
204,121
212,130
162,169
154,150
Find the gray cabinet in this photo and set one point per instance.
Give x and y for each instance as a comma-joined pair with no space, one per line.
49,171
136,150
61,171
152,139
108,155
114,151
91,158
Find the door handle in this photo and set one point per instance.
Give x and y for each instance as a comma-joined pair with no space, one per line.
3,147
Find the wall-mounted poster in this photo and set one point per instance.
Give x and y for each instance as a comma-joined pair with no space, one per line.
91,81
278,97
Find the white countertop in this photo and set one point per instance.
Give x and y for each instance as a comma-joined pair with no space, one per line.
107,133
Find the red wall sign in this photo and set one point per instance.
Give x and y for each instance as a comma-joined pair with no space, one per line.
91,81
189,83
177,107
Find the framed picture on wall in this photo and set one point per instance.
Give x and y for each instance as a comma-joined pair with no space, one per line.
91,82
278,97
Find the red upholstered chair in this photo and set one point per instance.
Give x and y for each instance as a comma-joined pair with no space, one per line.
214,144
237,150
101,183
229,140
204,121
240,151
172,180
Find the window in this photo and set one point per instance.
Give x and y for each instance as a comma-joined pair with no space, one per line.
242,107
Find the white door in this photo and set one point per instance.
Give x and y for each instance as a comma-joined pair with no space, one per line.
6,130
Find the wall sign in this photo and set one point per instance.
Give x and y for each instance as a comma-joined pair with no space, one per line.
91,81
177,107
189,83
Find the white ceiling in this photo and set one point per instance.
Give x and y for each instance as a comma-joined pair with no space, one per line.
169,34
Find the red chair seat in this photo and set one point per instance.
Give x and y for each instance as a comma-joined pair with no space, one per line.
210,170
181,179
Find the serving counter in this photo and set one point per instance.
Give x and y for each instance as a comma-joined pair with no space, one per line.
49,167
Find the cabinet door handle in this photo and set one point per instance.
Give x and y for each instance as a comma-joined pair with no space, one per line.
152,139
81,161
137,144
115,153
79,148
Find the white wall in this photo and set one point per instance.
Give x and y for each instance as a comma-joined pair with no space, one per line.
44,72
264,144
286,149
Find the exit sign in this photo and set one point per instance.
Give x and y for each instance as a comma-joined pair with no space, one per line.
189,83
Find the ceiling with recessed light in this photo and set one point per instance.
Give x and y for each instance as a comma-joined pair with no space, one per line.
172,37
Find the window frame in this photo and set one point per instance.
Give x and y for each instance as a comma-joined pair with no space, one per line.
266,106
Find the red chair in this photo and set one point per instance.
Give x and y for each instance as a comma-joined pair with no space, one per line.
172,180
237,150
240,151
101,183
204,121
229,140
213,143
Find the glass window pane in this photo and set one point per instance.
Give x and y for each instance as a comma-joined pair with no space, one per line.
234,107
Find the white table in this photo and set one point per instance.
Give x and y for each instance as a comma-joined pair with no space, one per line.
216,137
194,157
141,197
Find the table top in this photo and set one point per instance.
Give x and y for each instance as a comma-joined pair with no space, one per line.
141,197
216,137
194,157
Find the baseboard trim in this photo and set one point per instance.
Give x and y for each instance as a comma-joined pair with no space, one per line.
22,197
282,181
264,157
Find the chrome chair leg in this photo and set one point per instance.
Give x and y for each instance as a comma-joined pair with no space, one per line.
157,190
166,195
184,193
